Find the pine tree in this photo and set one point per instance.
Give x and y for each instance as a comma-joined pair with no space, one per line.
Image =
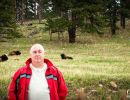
7,19
77,13
7,13
124,12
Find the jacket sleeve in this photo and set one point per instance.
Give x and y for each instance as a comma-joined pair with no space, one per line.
12,94
11,91
62,88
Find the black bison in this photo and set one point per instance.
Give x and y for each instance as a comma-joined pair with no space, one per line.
3,58
63,56
12,53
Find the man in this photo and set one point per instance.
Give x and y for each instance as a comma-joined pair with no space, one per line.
39,79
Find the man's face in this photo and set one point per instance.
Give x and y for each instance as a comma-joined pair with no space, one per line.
37,54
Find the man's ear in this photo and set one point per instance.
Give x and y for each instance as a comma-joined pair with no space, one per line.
29,56
45,52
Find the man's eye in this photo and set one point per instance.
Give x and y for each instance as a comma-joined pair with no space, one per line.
34,52
40,51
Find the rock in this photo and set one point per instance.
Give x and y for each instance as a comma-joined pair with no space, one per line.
81,93
113,85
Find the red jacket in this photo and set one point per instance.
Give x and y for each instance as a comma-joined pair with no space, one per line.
18,89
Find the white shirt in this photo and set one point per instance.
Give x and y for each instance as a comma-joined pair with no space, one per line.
38,87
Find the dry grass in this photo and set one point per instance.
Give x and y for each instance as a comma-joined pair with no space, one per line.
95,59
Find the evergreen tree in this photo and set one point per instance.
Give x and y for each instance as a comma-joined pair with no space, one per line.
75,11
7,18
124,12
111,13
7,13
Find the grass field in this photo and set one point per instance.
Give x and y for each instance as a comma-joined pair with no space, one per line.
95,59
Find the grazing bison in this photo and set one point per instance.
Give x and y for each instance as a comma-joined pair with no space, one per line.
29,24
12,53
63,56
3,58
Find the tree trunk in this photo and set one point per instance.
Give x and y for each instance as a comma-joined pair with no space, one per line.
26,10
122,21
113,18
39,10
72,34
22,12
35,9
113,27
18,10
122,17
91,20
72,28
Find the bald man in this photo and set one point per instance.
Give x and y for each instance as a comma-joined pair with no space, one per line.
39,79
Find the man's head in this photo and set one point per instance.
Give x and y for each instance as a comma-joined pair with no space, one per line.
37,53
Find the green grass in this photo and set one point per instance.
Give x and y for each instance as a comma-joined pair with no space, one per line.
95,59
